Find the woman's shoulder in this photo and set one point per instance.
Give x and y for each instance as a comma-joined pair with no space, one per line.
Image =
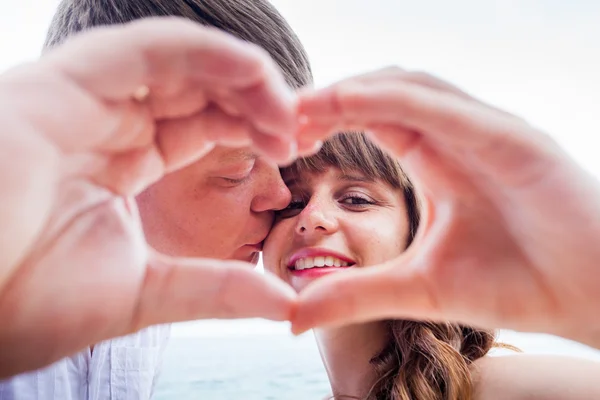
535,377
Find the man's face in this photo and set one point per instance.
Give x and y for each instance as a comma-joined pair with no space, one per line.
219,207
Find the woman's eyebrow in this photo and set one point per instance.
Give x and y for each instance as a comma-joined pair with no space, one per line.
354,178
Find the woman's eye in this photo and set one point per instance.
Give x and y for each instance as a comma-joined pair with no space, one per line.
296,204
292,209
355,200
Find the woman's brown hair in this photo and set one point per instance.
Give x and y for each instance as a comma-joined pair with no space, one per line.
423,360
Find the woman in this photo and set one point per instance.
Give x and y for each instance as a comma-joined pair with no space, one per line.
353,207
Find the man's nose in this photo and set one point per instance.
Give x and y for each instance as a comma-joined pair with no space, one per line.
272,193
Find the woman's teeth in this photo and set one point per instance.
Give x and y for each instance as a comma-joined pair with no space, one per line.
320,261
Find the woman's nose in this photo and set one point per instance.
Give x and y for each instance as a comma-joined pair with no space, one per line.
317,218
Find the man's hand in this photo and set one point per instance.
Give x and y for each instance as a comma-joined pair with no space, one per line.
86,128
509,237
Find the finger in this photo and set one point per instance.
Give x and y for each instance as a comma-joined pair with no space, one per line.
163,53
433,82
376,293
127,173
178,289
417,101
66,114
393,139
178,143
270,104
312,132
396,75
381,102
29,173
417,77
113,62
503,147
183,103
183,140
400,75
278,149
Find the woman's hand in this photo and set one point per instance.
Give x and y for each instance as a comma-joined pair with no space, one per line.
509,237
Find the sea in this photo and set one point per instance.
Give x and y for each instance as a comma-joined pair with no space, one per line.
255,367
238,361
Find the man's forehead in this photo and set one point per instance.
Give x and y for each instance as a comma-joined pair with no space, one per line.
232,155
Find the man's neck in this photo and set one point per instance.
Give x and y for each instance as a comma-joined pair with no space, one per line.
347,352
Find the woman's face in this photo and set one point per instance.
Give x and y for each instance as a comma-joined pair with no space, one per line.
335,222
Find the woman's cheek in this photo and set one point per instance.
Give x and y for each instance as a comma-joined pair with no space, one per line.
378,241
279,244
271,252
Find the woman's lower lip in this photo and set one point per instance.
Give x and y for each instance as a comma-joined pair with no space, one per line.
316,272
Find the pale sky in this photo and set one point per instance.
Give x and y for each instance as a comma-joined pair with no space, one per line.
539,59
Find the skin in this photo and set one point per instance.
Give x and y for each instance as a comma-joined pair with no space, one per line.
535,377
75,267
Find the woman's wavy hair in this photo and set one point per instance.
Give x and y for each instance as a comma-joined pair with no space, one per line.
423,360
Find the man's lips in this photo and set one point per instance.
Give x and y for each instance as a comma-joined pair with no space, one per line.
249,252
256,246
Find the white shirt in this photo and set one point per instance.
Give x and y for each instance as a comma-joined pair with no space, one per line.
124,368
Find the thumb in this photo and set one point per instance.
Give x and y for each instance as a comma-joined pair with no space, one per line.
179,289
392,290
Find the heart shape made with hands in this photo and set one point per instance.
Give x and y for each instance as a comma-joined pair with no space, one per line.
492,249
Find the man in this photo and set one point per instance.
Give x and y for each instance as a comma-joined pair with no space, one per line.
219,207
